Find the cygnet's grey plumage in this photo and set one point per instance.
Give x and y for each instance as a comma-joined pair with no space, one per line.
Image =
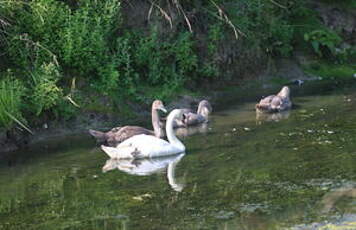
276,103
119,134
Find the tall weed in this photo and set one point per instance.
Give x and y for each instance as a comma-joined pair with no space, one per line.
11,93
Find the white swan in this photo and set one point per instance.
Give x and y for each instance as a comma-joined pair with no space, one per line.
143,146
145,167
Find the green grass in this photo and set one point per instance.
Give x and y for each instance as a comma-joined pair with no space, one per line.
344,4
330,71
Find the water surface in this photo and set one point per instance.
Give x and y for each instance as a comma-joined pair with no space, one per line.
293,171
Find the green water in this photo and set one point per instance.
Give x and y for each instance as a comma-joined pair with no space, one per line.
298,172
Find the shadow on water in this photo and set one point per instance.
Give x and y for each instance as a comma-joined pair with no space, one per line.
294,171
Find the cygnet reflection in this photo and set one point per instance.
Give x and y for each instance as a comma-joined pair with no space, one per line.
188,131
263,116
148,166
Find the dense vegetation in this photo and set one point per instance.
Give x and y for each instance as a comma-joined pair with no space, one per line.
61,57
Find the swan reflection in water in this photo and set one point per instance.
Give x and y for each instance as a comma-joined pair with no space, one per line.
330,199
148,166
191,130
263,116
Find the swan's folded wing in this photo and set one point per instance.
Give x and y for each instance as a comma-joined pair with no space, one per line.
276,102
144,141
127,132
266,100
147,146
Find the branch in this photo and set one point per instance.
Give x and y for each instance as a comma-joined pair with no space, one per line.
165,14
180,8
224,17
277,4
40,46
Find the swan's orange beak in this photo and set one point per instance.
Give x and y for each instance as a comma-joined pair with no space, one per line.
162,109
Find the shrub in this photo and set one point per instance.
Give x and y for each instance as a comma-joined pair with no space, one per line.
324,42
46,93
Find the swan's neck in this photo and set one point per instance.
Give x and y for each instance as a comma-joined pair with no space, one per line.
155,123
171,175
170,134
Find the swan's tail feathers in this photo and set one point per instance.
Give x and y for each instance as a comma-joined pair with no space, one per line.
99,136
120,152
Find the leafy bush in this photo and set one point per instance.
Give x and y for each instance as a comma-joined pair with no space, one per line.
77,39
34,33
167,61
327,70
86,35
186,58
324,42
46,93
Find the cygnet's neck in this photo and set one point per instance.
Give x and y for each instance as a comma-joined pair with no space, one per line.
284,92
155,123
170,133
203,111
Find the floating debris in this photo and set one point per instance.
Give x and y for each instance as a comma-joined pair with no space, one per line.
141,197
224,215
303,111
247,129
253,207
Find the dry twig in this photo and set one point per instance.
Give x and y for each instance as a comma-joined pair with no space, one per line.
224,17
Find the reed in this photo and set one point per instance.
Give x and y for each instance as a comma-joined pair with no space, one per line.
11,92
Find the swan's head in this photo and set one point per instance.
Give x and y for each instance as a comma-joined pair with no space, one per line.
204,108
285,92
110,165
176,114
158,105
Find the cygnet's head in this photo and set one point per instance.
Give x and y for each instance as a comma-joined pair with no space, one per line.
285,92
204,108
158,105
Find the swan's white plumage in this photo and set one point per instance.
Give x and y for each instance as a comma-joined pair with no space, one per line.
142,146
148,166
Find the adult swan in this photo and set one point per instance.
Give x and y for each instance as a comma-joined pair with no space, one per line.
145,146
